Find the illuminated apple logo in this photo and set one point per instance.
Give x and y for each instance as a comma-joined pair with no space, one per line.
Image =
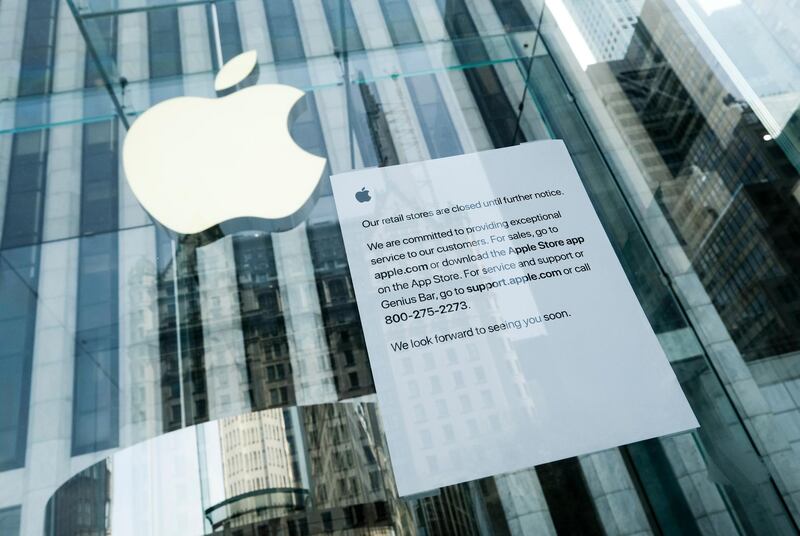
194,162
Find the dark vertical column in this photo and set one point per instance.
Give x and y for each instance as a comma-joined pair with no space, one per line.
229,35
346,346
168,332
82,505
266,342
426,96
95,406
38,48
95,403
96,392
378,131
348,355
449,512
164,54
269,368
179,315
164,61
348,352
571,506
342,25
498,114
22,234
181,342
437,127
19,279
10,520
659,488
513,15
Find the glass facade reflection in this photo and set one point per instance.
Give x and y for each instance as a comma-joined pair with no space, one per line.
219,383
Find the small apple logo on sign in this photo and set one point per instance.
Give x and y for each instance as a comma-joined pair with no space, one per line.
194,162
362,196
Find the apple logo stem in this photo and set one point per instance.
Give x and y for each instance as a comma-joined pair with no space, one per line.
196,162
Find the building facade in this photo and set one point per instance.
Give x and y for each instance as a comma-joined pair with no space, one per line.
122,344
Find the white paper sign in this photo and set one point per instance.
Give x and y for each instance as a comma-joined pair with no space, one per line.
501,328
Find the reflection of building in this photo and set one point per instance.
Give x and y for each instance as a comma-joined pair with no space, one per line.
453,511
180,335
257,471
348,352
606,25
266,349
83,506
314,469
789,139
704,152
347,466
255,453
751,268
91,291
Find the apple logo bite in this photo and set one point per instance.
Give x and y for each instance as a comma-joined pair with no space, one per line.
194,162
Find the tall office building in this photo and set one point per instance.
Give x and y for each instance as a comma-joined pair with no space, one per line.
255,453
310,470
607,26
704,173
225,375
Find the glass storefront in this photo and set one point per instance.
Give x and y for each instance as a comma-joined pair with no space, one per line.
219,383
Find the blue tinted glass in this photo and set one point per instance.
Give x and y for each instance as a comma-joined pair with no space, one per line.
105,28
361,123
512,14
18,281
496,110
96,403
400,21
99,173
230,39
163,34
348,353
266,343
38,47
283,30
9,521
437,127
25,199
181,330
342,25
22,226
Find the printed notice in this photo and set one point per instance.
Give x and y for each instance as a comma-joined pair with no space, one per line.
502,331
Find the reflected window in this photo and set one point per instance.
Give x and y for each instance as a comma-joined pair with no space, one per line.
400,22
342,25
164,50
9,521
284,33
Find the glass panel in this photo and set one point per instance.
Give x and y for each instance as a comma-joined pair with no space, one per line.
708,183
9,521
115,331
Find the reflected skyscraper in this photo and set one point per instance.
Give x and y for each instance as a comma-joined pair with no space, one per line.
705,173
116,338
307,471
